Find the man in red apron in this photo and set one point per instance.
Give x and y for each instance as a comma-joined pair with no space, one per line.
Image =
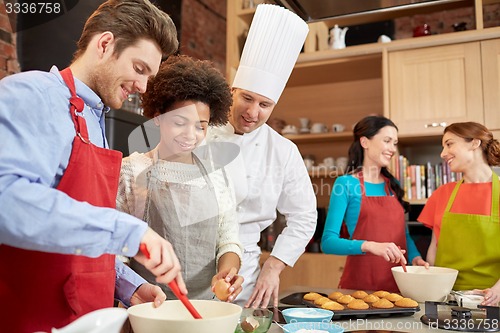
44,281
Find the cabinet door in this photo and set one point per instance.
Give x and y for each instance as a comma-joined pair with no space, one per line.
490,53
432,87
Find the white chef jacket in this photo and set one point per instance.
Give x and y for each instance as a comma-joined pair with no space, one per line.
276,180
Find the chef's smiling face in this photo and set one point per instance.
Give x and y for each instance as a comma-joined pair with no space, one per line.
182,130
457,152
114,78
249,110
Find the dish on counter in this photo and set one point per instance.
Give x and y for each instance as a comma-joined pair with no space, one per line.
361,310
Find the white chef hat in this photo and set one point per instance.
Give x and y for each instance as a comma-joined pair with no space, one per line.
272,47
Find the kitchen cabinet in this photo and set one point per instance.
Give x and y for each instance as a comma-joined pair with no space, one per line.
416,82
490,54
435,86
315,270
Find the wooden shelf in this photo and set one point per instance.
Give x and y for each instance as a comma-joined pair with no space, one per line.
320,137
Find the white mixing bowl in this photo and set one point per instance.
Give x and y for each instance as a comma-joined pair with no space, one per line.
172,317
421,284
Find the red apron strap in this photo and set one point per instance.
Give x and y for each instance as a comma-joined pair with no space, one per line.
76,106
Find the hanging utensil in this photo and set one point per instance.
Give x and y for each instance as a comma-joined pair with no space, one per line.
175,288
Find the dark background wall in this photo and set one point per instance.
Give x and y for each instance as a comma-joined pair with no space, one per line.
54,42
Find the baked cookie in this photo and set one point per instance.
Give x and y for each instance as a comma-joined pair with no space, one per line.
393,297
322,300
381,293
332,306
335,295
311,296
406,303
383,303
345,299
360,294
371,298
358,304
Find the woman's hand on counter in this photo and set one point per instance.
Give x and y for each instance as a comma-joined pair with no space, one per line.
492,295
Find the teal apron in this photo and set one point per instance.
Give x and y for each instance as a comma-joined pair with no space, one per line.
471,243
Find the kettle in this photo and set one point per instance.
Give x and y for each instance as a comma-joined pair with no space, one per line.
108,320
337,37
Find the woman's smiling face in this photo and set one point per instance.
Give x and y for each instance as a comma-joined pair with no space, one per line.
182,129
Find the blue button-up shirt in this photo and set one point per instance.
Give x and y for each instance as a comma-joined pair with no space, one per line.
36,135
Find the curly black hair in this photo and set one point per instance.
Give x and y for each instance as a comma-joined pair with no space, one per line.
183,78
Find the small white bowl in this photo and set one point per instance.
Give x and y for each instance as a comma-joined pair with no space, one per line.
295,315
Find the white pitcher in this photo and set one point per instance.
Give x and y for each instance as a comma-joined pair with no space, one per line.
108,320
337,37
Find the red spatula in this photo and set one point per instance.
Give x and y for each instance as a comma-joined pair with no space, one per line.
175,289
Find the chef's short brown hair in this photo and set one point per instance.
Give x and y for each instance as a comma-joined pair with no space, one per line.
183,78
130,21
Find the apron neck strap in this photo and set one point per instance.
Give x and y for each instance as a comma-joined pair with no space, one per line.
76,106
495,196
362,184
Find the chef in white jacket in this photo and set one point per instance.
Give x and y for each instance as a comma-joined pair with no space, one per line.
269,174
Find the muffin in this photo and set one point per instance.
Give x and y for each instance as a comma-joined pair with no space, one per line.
335,295
371,298
311,296
358,304
406,303
393,297
383,303
360,294
346,299
332,306
381,293
322,300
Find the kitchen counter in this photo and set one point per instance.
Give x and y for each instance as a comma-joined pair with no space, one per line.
396,323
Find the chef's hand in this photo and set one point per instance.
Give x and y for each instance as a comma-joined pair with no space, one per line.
418,261
267,286
492,295
231,277
163,262
389,251
148,292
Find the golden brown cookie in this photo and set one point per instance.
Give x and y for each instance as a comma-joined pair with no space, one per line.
383,303
406,303
358,304
345,299
335,295
360,294
311,296
322,300
371,298
333,306
393,297
381,293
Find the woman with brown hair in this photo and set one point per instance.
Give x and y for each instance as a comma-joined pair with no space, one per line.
466,213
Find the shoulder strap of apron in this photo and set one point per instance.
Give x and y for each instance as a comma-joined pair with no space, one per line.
76,106
495,197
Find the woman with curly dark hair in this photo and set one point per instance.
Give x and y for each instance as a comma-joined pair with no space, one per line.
185,197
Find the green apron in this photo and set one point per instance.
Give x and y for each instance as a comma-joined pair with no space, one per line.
471,244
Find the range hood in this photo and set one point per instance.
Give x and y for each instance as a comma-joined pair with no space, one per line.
319,10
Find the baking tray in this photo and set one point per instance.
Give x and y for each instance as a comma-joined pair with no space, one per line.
297,299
